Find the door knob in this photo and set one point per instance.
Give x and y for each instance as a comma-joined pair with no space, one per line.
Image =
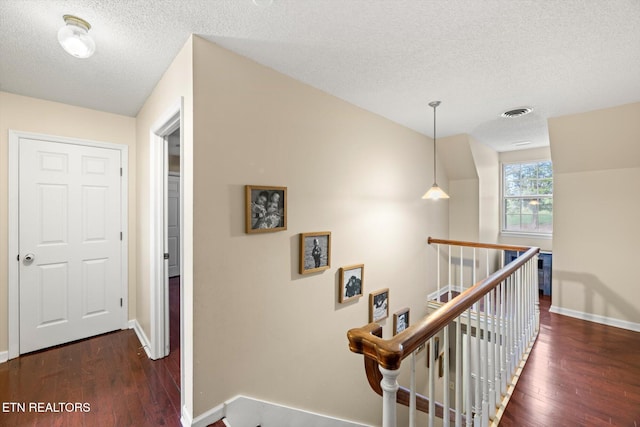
29,257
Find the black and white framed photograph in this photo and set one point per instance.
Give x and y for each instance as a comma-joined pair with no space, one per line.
400,321
379,305
351,282
266,208
315,252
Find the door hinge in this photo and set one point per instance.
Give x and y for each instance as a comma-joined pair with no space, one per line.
166,256
120,302
18,257
121,235
120,171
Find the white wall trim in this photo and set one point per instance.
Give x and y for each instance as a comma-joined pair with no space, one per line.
4,356
247,411
158,167
142,337
609,321
208,417
434,295
13,220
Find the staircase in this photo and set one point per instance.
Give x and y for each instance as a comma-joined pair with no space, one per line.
478,332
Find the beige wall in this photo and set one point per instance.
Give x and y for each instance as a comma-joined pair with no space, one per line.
532,154
463,188
596,159
26,114
487,165
464,211
176,83
260,328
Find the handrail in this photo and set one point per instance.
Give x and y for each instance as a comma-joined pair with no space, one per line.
390,353
501,247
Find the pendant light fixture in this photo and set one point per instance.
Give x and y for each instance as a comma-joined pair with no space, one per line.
74,37
435,192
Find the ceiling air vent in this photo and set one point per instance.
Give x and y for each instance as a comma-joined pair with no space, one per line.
517,112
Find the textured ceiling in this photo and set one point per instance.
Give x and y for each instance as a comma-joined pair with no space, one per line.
390,57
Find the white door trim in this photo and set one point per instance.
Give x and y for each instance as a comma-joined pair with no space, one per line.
13,221
158,276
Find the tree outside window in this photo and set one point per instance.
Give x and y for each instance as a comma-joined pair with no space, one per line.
528,197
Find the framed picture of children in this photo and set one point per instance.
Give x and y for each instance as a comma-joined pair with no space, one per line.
315,252
266,209
379,305
400,321
351,282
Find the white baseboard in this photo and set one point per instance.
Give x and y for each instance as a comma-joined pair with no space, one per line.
209,417
435,295
609,321
133,324
4,356
243,411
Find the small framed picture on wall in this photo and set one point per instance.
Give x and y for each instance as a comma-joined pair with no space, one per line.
265,209
400,321
379,305
351,282
315,252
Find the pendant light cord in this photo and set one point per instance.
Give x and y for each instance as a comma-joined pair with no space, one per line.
434,104
434,143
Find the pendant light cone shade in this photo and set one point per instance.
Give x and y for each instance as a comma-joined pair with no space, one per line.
75,39
435,192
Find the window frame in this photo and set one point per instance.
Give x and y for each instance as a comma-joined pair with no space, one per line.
520,233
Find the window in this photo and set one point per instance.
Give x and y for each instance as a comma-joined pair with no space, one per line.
527,197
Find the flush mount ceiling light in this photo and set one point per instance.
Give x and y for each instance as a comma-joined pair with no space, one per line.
74,37
435,192
517,112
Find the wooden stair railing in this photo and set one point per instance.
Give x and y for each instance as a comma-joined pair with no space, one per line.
389,354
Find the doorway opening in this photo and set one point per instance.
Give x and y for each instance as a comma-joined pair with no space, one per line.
166,242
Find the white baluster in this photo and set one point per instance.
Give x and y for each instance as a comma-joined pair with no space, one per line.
478,385
438,270
485,361
445,400
412,395
461,269
390,387
504,337
432,380
450,278
468,373
458,373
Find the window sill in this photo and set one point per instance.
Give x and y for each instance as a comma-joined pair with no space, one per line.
520,234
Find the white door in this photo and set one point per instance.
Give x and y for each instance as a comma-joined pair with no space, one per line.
173,224
69,241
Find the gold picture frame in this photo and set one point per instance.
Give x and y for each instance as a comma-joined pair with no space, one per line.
400,320
351,282
315,252
379,305
265,209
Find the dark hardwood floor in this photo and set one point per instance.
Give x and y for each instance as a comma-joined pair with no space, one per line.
578,374
109,376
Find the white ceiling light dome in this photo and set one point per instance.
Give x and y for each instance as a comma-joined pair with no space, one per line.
74,37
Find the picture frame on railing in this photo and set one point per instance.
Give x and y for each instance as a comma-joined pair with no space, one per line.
379,305
265,209
315,252
351,282
400,320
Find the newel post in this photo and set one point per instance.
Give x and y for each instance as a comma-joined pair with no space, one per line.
390,387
